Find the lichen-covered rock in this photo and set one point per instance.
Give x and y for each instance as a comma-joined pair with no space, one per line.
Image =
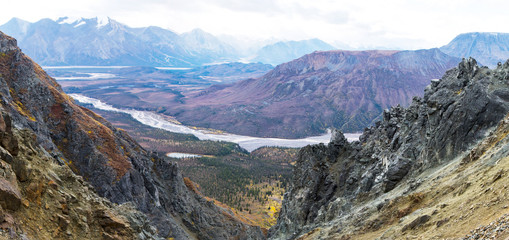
455,113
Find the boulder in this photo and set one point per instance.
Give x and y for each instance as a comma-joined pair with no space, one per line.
10,197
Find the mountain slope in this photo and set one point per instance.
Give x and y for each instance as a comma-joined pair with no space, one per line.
16,27
487,48
343,89
107,42
282,52
199,43
436,169
116,166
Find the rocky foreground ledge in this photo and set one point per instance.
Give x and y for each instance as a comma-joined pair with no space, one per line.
43,199
422,171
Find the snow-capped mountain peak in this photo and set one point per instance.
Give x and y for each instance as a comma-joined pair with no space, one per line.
104,41
76,22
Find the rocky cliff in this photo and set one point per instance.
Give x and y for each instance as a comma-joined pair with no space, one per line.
41,198
421,171
116,166
343,89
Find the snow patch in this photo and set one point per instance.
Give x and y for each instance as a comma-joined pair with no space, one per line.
68,20
102,21
79,24
183,155
90,76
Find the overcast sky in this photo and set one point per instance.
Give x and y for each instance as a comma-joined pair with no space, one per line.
397,24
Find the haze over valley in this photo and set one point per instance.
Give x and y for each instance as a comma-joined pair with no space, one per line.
278,119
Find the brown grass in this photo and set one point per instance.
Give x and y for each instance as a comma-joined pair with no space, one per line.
190,185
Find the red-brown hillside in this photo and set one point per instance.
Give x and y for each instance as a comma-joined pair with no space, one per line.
342,89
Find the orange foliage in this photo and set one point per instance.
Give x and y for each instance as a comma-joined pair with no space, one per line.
190,185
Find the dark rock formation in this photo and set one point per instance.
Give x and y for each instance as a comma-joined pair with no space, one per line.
117,167
41,199
330,181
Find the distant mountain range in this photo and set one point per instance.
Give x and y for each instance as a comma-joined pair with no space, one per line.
342,89
96,41
487,48
282,52
107,42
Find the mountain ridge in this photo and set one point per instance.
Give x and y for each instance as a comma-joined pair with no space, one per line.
67,41
343,89
285,51
488,48
107,42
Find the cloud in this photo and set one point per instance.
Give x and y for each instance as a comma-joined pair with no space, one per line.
259,6
336,17
390,23
320,14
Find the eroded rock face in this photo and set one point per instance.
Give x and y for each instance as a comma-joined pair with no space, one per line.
455,112
10,197
49,201
116,166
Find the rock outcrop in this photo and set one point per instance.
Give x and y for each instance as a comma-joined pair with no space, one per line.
41,198
117,167
338,189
